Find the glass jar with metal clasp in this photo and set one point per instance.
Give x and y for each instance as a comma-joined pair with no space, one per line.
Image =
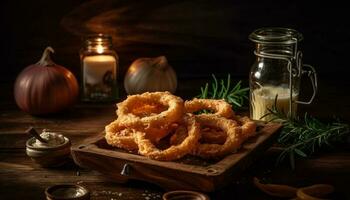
275,75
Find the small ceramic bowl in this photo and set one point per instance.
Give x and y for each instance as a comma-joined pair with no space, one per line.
184,195
67,192
52,156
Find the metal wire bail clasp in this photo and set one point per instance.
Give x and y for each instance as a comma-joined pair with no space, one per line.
311,73
292,71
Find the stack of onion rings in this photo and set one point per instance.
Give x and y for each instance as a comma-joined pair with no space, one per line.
146,119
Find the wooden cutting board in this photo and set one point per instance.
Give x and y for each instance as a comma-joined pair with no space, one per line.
188,173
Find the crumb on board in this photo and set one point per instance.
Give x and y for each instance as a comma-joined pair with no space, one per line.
146,195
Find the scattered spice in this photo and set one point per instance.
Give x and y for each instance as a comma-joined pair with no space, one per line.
111,194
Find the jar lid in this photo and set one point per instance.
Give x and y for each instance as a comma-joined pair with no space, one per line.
99,38
278,35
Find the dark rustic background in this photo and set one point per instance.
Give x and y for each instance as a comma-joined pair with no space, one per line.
199,37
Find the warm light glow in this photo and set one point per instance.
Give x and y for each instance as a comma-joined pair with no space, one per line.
257,74
132,69
99,58
99,49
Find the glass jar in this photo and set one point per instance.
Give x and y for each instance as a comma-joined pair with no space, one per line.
275,75
99,66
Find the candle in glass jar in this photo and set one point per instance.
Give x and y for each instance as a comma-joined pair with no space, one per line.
99,69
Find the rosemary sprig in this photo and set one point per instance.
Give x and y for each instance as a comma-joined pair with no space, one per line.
223,89
304,136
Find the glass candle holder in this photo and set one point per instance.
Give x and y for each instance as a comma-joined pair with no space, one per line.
99,66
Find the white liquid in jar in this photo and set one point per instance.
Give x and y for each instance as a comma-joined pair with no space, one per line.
263,99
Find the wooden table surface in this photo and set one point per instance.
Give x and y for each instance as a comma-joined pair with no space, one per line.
20,178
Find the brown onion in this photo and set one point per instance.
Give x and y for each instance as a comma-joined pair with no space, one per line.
150,75
45,87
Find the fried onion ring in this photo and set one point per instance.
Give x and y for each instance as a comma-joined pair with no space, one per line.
220,107
120,136
149,109
212,136
172,114
208,135
232,143
174,152
248,126
179,135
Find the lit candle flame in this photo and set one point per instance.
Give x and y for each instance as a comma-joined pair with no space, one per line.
99,49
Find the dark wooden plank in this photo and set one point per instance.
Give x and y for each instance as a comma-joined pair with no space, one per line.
334,170
96,154
18,173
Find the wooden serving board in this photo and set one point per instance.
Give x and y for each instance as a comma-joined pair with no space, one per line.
188,173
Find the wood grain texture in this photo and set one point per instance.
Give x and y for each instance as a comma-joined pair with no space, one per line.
20,178
200,176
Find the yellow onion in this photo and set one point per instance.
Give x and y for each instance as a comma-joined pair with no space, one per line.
150,75
45,87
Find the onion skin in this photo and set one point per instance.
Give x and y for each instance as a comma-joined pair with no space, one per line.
41,90
150,75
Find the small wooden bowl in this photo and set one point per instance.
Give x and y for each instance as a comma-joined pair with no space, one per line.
67,192
185,195
49,156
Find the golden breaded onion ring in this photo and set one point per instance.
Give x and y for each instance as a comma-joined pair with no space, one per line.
174,152
208,135
232,143
120,136
212,136
248,126
220,107
172,114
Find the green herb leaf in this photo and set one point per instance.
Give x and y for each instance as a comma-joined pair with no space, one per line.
236,96
300,153
303,137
